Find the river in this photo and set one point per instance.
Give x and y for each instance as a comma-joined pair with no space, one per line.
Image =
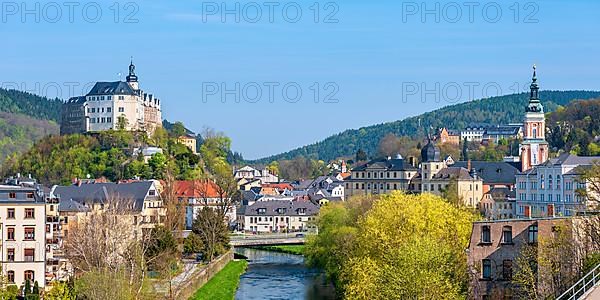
281,276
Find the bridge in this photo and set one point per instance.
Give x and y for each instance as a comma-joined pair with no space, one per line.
267,240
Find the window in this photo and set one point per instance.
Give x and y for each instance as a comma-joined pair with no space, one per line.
109,120
10,213
533,234
121,109
29,233
10,275
10,233
29,213
29,275
486,266
10,254
485,234
507,269
507,235
29,255
12,195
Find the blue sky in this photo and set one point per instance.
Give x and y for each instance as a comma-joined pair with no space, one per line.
381,60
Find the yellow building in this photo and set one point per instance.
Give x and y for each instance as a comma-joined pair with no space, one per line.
189,141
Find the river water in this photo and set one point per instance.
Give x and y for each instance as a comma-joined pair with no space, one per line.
281,276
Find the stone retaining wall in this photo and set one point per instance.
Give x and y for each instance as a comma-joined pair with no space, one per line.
202,276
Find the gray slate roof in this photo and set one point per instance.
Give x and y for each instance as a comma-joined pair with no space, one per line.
291,208
492,172
111,88
86,194
389,164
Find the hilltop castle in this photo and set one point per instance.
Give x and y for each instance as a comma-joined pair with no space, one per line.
112,105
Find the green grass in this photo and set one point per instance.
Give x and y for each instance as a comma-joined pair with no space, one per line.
223,285
291,249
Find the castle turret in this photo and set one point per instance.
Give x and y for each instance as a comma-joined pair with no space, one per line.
132,79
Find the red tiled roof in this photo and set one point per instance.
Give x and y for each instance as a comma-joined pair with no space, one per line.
196,188
280,186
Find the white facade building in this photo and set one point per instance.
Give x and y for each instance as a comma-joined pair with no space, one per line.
550,189
113,105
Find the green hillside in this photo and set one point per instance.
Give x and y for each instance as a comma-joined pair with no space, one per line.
24,119
12,101
494,110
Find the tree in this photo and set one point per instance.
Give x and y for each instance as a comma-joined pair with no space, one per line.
361,155
61,291
122,122
178,130
464,155
212,230
108,250
404,246
409,246
161,245
192,244
389,145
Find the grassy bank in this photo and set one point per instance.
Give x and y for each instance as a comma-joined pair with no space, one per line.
291,249
224,284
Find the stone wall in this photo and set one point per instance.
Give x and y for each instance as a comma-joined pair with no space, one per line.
202,276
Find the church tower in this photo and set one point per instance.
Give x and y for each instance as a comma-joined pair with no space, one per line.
132,79
534,149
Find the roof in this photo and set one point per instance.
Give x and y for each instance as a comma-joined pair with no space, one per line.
197,189
572,159
292,208
21,196
280,186
111,88
76,100
103,192
452,172
502,194
393,164
492,172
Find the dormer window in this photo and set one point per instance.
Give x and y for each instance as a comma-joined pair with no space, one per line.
262,211
281,211
301,211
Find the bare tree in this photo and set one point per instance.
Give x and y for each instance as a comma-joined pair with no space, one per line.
107,246
175,208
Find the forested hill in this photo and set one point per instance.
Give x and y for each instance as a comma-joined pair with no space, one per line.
494,110
24,119
12,101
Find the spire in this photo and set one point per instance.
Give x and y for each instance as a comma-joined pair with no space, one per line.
534,98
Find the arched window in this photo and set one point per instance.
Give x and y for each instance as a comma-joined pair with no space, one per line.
535,130
10,276
29,275
549,182
558,182
542,182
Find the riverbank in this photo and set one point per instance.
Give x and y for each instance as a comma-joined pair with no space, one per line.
224,284
290,249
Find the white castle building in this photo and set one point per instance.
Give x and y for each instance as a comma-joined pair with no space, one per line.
112,105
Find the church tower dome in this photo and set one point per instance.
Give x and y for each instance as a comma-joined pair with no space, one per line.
534,148
430,153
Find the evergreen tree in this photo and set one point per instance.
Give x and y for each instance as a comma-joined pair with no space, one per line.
361,155
464,155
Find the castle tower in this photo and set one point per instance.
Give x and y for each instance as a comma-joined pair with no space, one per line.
534,148
132,79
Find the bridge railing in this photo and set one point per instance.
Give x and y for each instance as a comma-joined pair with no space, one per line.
581,287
